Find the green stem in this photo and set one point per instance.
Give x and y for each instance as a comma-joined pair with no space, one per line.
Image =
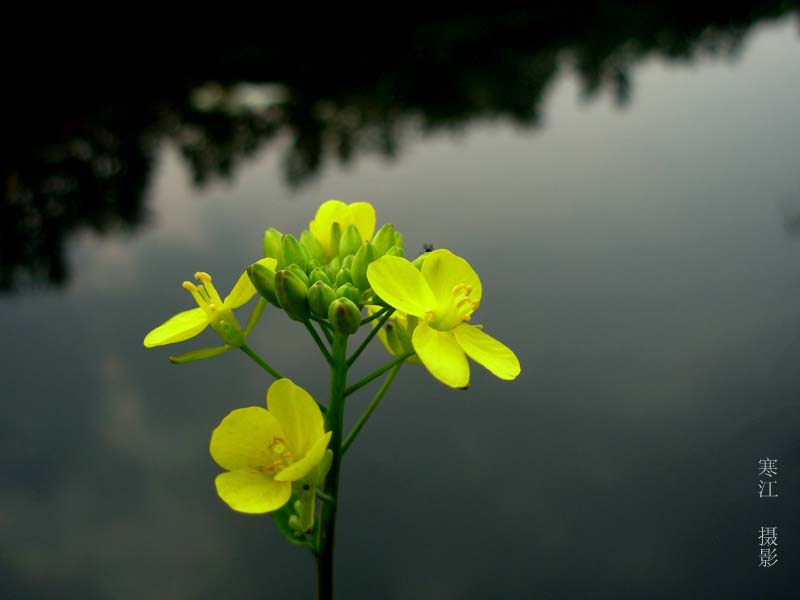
375,374
325,327
335,418
261,362
377,315
371,408
368,339
321,346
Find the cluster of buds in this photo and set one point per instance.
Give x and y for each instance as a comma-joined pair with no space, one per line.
324,273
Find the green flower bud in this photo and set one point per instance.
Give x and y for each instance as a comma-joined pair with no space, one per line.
336,236
395,251
348,290
272,243
398,336
344,316
383,240
292,253
292,294
294,523
350,242
313,247
231,333
343,276
320,296
318,275
263,279
332,268
417,262
361,260
299,273
347,261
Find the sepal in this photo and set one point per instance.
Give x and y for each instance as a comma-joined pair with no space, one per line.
195,355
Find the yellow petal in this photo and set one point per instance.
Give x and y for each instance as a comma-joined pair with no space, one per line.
400,285
244,290
302,467
487,351
298,415
442,355
251,491
181,327
330,212
362,215
243,439
443,270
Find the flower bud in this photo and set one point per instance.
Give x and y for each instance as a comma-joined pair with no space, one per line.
358,271
343,276
231,333
292,294
318,275
292,253
272,243
332,268
336,236
313,247
320,296
417,262
397,337
350,241
294,523
383,240
347,261
263,279
398,239
299,273
348,290
344,316
395,251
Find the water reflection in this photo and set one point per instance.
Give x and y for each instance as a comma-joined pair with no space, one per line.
84,159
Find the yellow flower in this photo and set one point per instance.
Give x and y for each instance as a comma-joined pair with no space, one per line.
443,295
264,450
211,310
360,214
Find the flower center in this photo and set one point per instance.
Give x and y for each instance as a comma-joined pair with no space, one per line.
282,457
458,309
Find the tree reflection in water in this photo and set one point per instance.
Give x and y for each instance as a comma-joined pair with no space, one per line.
80,141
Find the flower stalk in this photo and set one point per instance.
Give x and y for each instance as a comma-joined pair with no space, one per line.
327,522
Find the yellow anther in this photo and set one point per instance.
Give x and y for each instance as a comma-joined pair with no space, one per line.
458,289
188,285
287,455
467,289
202,276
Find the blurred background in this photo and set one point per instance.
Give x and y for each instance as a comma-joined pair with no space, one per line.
624,177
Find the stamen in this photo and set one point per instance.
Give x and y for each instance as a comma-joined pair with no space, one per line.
213,296
195,292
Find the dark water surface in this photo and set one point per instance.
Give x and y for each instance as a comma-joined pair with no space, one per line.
638,250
